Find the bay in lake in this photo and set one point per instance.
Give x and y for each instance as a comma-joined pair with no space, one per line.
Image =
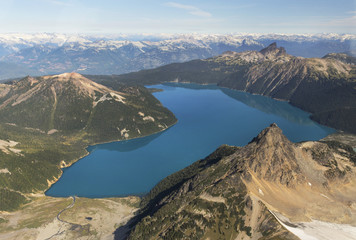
208,116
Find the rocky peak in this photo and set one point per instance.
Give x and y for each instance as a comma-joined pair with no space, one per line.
272,51
82,84
271,156
271,135
66,76
282,175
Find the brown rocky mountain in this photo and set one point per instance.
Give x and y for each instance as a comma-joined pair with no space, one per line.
247,192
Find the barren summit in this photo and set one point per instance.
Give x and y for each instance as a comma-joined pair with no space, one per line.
72,102
247,192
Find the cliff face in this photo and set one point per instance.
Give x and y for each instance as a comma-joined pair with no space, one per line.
231,193
324,87
292,78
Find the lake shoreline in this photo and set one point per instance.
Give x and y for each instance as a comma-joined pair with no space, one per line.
190,106
86,154
278,99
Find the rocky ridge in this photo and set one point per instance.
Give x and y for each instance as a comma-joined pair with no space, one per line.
45,53
233,192
324,87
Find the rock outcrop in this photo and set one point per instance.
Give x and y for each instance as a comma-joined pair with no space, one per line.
233,192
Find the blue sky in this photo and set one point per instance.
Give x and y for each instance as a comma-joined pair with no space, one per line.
158,16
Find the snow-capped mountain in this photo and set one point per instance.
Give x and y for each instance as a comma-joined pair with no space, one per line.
48,53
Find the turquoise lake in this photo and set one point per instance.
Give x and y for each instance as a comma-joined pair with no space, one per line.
208,116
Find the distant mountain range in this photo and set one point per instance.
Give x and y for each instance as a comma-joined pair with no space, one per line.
41,54
241,192
326,86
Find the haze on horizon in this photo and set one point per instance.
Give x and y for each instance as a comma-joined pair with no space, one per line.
173,16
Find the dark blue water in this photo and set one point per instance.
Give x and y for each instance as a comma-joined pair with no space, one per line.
207,117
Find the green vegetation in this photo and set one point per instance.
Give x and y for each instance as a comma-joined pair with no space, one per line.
176,180
340,118
206,200
196,71
38,160
328,93
3,220
157,215
125,116
10,200
49,123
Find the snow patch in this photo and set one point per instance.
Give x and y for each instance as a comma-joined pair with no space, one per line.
149,118
317,230
52,131
110,96
5,171
8,147
324,196
117,97
102,99
260,192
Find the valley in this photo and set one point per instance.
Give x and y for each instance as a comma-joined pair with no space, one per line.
94,218
256,186
177,120
48,122
208,116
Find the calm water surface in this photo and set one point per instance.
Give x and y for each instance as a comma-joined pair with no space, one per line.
208,117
